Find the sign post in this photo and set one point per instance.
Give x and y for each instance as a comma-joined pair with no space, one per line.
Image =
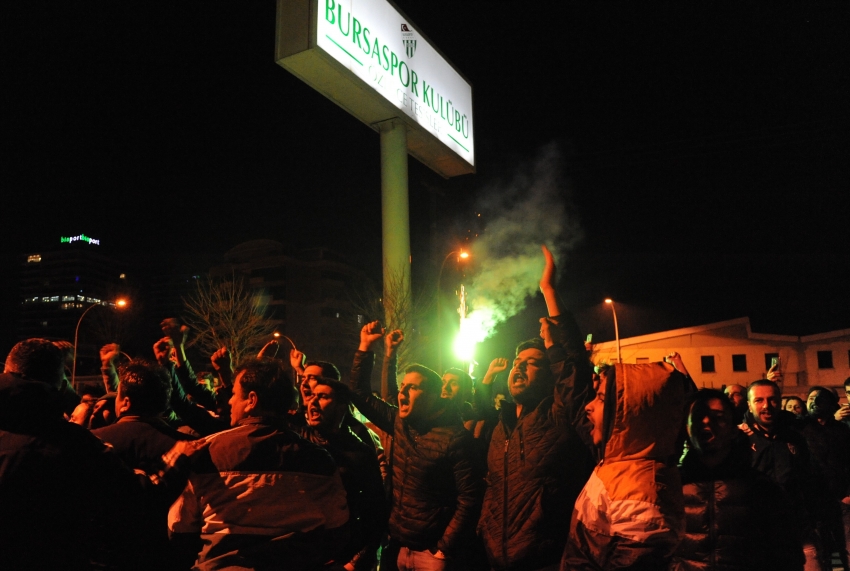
371,60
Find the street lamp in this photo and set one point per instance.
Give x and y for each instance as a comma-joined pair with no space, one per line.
121,303
461,255
610,302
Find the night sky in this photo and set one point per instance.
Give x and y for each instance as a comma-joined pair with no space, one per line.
704,147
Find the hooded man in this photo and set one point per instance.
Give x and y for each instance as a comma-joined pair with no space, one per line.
630,514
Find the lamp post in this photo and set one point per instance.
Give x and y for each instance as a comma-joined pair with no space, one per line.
461,255
610,302
121,303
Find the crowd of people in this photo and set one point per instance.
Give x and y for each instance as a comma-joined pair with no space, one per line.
280,464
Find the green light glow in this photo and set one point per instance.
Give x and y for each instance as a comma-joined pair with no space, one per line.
473,330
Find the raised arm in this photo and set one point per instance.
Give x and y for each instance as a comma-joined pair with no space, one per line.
373,408
389,371
565,348
554,305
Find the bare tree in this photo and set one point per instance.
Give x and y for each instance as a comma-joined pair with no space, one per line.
226,312
397,308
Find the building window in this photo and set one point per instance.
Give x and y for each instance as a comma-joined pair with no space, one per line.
768,360
825,360
707,362
35,258
739,363
122,276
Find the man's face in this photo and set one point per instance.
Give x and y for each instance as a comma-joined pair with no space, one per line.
529,370
595,411
323,410
736,395
311,375
413,401
240,406
711,427
793,405
765,403
451,386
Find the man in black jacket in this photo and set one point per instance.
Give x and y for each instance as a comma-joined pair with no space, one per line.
67,499
537,464
327,408
780,452
436,492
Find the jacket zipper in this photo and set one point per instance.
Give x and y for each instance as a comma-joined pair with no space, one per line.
505,508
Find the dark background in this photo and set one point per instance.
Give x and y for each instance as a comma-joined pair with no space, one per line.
705,147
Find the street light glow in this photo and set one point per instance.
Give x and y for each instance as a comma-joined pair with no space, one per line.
464,255
121,303
609,300
276,334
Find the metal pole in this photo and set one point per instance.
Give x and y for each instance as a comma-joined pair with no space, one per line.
617,334
76,335
395,216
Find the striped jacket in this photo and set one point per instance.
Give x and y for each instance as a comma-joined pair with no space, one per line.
261,497
630,514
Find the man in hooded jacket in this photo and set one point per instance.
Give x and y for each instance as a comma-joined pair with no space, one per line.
630,514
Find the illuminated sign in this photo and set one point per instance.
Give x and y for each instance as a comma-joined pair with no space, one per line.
389,69
80,238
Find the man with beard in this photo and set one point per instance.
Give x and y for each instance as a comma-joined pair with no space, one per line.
781,453
327,407
536,462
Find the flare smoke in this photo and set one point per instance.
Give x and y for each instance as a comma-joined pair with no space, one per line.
532,209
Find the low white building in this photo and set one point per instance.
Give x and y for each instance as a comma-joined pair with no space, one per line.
728,352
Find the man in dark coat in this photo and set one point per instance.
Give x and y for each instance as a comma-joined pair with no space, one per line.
68,500
435,488
536,462
327,408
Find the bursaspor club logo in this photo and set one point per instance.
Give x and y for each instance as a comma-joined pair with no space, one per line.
409,40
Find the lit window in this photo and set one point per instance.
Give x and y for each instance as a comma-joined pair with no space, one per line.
67,298
81,298
122,276
90,300
825,360
45,299
739,363
34,258
54,298
707,362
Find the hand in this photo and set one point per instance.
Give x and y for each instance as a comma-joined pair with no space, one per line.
370,334
82,413
547,280
843,413
222,360
549,332
392,342
745,428
162,351
109,353
178,333
497,365
188,448
269,350
676,360
297,360
774,374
